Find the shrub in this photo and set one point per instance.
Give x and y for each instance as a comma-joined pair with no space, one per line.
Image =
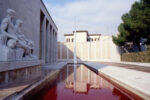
136,57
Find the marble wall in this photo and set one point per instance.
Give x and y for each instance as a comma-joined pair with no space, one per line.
38,26
103,50
12,72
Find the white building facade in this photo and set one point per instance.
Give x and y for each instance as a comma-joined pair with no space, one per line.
89,47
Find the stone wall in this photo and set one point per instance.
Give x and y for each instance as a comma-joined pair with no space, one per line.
103,50
37,26
11,72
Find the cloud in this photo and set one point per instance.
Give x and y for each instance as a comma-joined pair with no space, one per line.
96,16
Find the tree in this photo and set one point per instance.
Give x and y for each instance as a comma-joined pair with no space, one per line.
135,24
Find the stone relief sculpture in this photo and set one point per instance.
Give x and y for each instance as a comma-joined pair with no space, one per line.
13,43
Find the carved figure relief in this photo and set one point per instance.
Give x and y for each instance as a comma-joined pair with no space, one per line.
13,43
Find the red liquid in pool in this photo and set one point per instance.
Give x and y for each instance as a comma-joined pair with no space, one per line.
89,86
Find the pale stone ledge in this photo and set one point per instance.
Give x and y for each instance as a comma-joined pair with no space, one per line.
6,66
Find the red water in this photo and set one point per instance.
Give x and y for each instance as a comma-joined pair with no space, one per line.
97,87
60,93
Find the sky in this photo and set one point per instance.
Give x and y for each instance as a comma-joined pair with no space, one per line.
96,16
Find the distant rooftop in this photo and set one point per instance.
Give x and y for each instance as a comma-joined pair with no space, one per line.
82,31
68,34
94,34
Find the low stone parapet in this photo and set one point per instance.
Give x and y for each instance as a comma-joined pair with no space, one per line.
11,72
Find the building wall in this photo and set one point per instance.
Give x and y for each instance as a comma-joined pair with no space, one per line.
94,37
81,36
37,25
69,38
103,50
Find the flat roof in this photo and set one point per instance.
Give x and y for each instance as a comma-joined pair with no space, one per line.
68,34
94,34
82,31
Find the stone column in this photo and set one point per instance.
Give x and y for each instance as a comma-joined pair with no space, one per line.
100,49
88,75
88,51
42,44
106,49
81,51
95,80
53,41
67,73
95,50
26,71
56,48
67,52
51,46
47,43
60,50
6,77
44,40
81,74
105,46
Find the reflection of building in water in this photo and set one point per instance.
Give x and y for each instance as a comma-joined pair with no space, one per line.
89,47
85,78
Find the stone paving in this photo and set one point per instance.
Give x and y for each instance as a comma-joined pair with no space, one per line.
133,66
138,82
8,90
135,63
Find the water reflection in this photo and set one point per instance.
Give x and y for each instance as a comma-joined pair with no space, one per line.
89,86
86,79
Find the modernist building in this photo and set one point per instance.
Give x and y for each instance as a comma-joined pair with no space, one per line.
89,47
82,36
37,26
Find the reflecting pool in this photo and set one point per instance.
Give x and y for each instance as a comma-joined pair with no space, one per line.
89,86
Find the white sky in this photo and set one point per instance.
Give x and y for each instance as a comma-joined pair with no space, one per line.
96,16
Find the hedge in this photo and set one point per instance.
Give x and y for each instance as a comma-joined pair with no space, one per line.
136,57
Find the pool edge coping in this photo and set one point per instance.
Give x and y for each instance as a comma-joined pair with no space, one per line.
131,89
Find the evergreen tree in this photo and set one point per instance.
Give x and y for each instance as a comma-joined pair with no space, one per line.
136,24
